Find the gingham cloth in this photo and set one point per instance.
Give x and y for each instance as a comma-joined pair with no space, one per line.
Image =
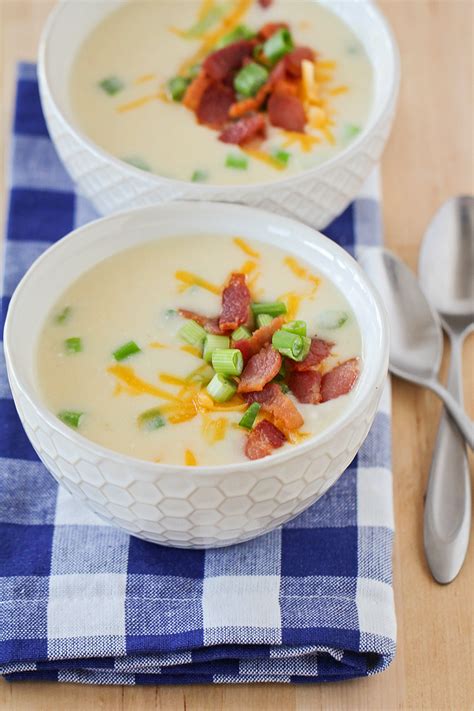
81,601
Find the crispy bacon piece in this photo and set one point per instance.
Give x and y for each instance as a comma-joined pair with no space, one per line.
263,439
249,346
244,130
210,324
270,28
279,406
195,90
318,351
214,105
306,386
261,368
265,3
235,303
246,105
287,112
286,86
220,64
340,380
294,58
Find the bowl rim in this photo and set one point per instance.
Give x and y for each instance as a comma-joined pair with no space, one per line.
208,189
43,412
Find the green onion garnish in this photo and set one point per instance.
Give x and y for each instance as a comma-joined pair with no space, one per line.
70,417
170,313
177,87
241,334
211,343
125,351
63,315
298,327
288,344
228,361
281,156
306,347
199,176
279,44
73,345
236,161
111,85
284,388
329,320
241,32
138,162
249,416
282,371
220,388
273,308
202,375
350,131
192,333
250,78
264,320
151,419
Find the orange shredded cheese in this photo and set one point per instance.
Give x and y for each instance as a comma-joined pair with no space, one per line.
144,78
248,267
137,103
335,91
302,272
264,158
192,351
292,301
295,437
305,140
171,379
136,385
157,344
214,430
190,279
189,458
246,248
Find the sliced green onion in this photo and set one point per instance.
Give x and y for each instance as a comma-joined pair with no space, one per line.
241,32
199,176
249,416
298,327
177,87
282,371
111,85
192,333
73,344
284,388
288,344
272,308
241,334
211,343
331,319
138,162
281,156
279,44
63,315
306,347
70,417
236,161
228,361
151,419
170,313
250,78
125,351
264,320
202,375
257,51
220,388
350,131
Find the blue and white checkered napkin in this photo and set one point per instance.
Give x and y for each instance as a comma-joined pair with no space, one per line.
81,601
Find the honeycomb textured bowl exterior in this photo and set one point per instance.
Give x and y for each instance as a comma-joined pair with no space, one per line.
315,197
181,509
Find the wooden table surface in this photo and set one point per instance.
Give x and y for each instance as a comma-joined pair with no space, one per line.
429,158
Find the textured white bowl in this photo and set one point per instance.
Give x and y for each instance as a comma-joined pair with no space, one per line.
178,505
315,196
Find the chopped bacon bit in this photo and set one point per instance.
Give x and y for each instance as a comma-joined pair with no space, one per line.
195,90
286,111
220,64
209,323
263,439
265,3
287,87
270,28
260,337
214,105
246,105
294,58
261,368
279,407
235,303
340,380
306,386
318,351
244,130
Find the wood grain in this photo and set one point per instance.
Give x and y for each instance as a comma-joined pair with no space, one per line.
429,158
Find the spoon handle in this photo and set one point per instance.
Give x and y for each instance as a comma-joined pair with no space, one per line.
456,411
447,519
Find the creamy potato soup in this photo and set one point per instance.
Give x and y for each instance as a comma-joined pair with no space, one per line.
222,91
200,351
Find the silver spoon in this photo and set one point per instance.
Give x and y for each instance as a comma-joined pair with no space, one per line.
416,340
446,270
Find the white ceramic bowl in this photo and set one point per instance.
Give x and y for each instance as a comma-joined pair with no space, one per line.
315,196
178,505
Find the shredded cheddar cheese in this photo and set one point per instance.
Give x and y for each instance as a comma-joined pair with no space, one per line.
188,279
302,272
264,157
214,430
189,458
248,267
335,91
157,344
292,301
305,140
246,248
136,385
137,103
144,78
171,379
192,351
